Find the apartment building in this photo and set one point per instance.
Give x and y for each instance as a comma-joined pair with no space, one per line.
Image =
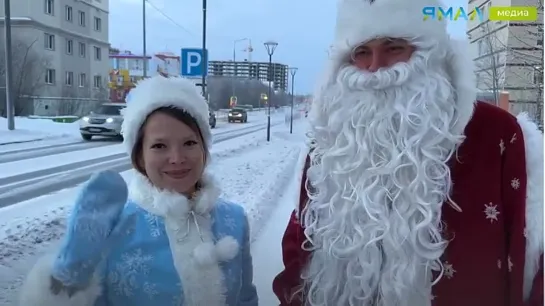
127,68
71,36
277,73
509,56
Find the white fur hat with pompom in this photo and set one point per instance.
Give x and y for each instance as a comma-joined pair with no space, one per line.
156,92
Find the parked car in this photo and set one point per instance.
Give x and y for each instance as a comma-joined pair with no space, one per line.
237,114
212,119
105,121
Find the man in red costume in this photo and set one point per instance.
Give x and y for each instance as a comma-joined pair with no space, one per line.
413,193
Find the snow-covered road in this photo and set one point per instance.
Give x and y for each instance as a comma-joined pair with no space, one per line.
262,176
29,178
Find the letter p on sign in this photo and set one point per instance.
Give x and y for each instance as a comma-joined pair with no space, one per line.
194,62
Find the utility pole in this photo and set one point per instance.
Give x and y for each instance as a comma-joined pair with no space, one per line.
205,59
145,59
270,46
233,93
10,107
293,70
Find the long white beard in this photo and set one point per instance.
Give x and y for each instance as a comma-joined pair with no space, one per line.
379,178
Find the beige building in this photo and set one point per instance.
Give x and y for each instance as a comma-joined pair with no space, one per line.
68,40
509,56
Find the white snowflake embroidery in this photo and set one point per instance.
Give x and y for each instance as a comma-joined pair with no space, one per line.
491,212
153,222
514,138
499,264
150,290
502,146
448,270
229,222
123,277
509,264
515,183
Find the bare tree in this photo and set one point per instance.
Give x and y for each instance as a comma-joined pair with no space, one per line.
511,59
490,65
28,75
526,49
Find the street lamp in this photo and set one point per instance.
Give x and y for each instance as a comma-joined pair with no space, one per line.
204,62
293,70
270,46
235,63
145,73
10,108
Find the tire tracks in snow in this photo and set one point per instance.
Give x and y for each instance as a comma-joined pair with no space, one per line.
26,186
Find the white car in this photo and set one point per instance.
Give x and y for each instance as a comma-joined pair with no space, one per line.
105,121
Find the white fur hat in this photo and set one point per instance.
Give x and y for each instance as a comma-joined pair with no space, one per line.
156,92
359,21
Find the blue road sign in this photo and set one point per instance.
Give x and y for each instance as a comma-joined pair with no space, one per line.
191,61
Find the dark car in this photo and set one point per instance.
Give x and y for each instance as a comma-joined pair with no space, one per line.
212,119
237,114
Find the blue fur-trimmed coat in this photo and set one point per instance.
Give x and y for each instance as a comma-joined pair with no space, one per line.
173,257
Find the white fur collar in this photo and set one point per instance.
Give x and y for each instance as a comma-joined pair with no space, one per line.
188,224
174,205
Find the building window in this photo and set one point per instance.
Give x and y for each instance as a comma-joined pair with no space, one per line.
481,46
98,24
82,50
81,18
98,53
69,46
49,40
97,81
135,64
538,75
49,7
69,78
82,79
50,76
68,13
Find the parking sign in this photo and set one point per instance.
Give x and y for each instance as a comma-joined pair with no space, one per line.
192,62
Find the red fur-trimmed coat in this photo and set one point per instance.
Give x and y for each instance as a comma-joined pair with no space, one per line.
495,257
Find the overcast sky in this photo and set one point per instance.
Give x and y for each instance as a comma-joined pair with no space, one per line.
302,28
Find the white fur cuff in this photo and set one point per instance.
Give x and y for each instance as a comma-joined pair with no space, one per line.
36,288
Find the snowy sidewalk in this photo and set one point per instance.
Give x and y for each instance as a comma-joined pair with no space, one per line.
254,173
267,250
29,130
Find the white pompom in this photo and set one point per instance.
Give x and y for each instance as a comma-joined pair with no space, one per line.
227,248
205,254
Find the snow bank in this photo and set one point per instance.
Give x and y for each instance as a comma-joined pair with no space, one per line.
27,130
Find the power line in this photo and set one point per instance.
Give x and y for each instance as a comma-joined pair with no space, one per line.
170,19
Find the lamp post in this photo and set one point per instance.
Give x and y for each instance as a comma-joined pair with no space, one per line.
270,46
145,57
204,60
10,109
235,63
293,70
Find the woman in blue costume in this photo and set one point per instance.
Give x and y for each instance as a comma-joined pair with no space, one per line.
166,239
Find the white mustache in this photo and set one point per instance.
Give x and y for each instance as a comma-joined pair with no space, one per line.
384,78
